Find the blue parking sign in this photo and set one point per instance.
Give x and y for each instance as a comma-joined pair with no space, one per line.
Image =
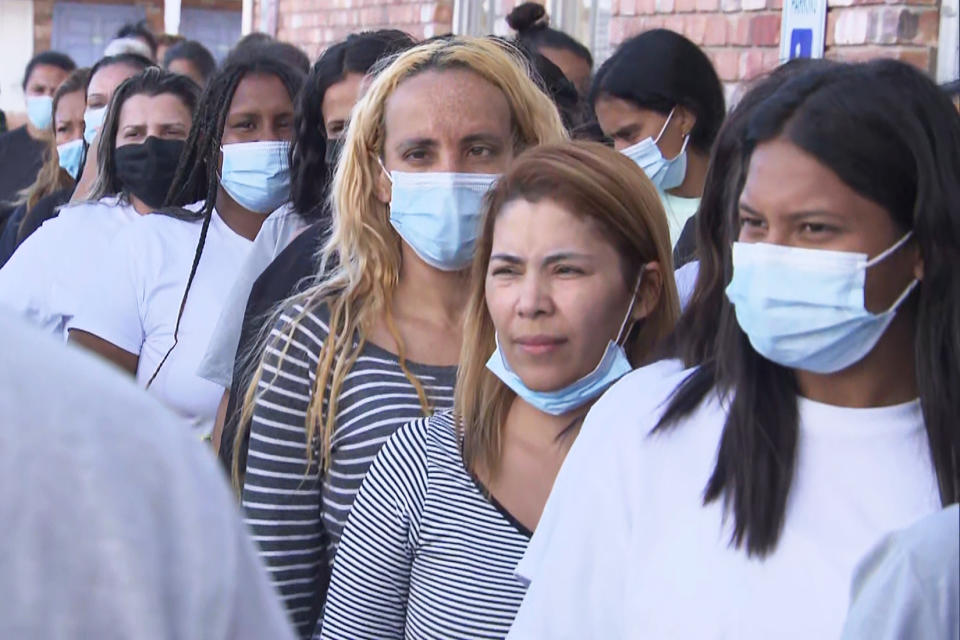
801,43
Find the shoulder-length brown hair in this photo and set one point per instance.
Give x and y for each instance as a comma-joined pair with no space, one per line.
591,181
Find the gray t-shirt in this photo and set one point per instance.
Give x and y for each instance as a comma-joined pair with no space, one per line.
114,521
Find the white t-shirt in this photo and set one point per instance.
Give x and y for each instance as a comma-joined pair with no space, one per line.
135,295
42,279
678,210
626,548
278,230
686,279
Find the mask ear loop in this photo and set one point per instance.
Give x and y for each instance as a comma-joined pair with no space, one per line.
880,257
686,138
382,166
633,303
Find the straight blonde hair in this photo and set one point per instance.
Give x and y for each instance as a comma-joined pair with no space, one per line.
593,182
360,263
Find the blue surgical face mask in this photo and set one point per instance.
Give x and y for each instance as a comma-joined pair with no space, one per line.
804,308
257,174
70,154
438,214
665,174
92,121
40,111
613,365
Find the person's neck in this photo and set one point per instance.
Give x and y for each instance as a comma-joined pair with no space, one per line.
429,294
542,430
885,377
140,206
242,221
692,185
37,134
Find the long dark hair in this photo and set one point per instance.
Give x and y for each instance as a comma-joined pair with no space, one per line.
533,29
660,69
890,134
153,81
309,174
695,336
196,177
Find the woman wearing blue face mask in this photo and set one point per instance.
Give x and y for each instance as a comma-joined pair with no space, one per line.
660,100
22,149
55,181
169,274
824,414
567,294
374,342
46,278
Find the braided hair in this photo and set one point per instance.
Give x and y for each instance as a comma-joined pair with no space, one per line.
197,176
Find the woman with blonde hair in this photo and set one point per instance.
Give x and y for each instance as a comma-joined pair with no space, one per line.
375,343
571,289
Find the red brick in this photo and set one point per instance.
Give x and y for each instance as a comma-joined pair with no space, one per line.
708,5
765,30
646,7
685,6
695,28
727,63
753,5
738,29
628,7
666,6
674,23
751,64
771,59
730,6
716,30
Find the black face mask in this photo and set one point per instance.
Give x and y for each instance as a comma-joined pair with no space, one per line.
334,147
146,170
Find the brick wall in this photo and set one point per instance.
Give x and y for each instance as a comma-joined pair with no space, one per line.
742,37
315,24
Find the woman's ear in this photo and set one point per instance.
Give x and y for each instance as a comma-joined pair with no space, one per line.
918,265
686,120
381,184
648,295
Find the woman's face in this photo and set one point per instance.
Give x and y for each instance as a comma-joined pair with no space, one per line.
162,116
261,110
576,69
555,291
104,83
68,120
338,102
627,124
184,67
450,121
790,198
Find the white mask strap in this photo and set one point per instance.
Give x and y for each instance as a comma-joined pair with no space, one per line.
382,166
633,303
665,125
885,254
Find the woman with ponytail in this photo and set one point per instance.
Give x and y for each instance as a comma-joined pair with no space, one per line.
166,277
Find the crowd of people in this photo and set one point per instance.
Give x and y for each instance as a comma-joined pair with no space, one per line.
487,342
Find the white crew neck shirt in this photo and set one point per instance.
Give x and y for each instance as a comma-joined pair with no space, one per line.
651,561
134,299
42,281
678,211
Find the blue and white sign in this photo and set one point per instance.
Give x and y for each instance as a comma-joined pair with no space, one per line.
802,27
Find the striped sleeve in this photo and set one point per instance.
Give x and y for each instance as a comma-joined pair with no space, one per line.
371,577
281,493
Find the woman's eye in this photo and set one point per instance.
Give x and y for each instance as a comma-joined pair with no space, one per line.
480,152
503,271
755,223
816,227
566,270
416,154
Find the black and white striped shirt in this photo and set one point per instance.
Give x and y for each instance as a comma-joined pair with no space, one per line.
295,516
426,554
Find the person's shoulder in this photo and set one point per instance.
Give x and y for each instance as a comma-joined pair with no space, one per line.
38,363
304,322
643,389
441,433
